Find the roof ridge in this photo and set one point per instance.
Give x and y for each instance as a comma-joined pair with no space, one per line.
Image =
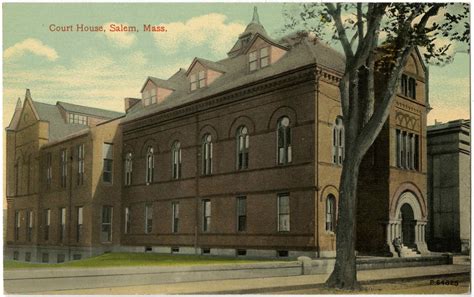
86,106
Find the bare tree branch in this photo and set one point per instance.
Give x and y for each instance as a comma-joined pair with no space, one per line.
336,15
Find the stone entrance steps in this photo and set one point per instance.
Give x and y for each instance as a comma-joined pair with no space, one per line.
408,252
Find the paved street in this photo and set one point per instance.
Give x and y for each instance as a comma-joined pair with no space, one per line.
418,277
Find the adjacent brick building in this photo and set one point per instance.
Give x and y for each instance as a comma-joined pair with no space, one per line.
242,156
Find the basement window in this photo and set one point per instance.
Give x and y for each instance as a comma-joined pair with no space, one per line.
175,250
282,254
241,252
205,251
148,249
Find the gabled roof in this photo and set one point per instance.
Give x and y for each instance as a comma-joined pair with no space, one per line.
208,64
162,83
268,40
86,110
58,128
301,51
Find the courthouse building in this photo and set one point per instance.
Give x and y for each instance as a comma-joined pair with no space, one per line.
238,157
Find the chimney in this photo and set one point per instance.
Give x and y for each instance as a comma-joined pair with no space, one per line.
129,102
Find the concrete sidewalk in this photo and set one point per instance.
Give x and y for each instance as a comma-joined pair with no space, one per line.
275,284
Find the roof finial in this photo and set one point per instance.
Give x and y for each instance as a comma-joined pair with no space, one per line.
255,18
28,94
18,103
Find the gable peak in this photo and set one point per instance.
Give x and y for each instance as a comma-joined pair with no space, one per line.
18,104
28,94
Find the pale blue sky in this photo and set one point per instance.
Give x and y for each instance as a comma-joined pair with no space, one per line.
100,69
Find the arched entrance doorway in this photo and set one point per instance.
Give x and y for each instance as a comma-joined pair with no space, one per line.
407,222
408,225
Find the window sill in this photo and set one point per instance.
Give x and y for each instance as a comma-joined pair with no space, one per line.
409,170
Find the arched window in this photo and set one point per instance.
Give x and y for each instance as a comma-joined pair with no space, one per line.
150,165
128,168
330,213
176,159
284,140
206,154
338,142
242,148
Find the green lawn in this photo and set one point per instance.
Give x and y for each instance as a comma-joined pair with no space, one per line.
133,259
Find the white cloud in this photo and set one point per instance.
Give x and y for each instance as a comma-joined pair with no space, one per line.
209,30
33,46
94,80
120,39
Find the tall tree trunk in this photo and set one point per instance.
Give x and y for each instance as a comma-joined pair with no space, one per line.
344,275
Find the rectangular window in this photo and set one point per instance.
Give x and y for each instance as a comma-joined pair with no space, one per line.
77,119
29,225
241,214
107,154
79,224
416,153
106,230
283,212
127,220
49,170
16,255
408,86
253,61
175,226
60,258
146,98
80,164
407,150
404,85
264,57
153,96
412,88
45,258
176,170
46,222
63,168
62,223
194,82
17,224
206,215
148,218
202,79
330,214
28,257
128,168
77,257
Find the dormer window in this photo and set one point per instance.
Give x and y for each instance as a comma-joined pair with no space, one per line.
264,57
198,80
149,97
408,86
253,60
259,58
77,119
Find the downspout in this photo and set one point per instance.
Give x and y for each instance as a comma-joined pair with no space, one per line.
69,215
196,178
